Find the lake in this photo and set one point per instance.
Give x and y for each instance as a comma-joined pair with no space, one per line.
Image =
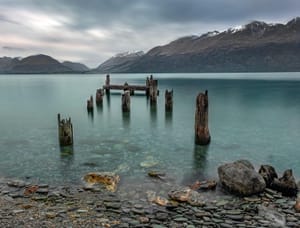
254,116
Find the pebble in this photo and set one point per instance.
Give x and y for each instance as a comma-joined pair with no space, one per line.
18,211
180,219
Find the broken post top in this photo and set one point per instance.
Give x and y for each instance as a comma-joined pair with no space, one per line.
107,81
63,121
65,131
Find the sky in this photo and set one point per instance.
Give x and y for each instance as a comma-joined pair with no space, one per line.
91,31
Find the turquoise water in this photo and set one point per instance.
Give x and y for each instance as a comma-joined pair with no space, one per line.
251,116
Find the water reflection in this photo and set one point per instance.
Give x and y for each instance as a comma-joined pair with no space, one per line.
100,107
126,119
91,115
66,163
66,151
153,112
200,153
108,100
168,118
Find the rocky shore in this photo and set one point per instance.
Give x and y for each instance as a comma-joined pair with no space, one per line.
26,205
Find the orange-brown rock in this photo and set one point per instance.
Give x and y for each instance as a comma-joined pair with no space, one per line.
297,205
30,190
107,179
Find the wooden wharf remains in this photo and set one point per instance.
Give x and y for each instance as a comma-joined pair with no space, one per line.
150,88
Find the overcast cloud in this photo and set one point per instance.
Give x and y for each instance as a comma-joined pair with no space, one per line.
92,31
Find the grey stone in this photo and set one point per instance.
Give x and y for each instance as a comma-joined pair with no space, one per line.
235,217
241,178
161,216
180,219
113,205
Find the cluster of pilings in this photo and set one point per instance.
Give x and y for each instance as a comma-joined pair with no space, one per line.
202,135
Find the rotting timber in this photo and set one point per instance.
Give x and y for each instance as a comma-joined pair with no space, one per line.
65,131
169,100
150,88
202,136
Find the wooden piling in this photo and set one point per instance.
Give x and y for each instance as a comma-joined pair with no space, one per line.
153,89
202,136
107,83
90,104
169,100
65,131
99,96
126,101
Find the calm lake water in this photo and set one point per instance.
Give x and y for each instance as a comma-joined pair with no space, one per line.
251,116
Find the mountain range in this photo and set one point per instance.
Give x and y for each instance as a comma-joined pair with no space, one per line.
36,64
254,47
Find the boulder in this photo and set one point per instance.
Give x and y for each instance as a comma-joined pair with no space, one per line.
268,173
286,184
107,179
241,178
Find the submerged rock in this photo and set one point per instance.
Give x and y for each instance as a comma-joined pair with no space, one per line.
241,178
286,184
186,194
107,179
204,185
156,174
153,198
149,162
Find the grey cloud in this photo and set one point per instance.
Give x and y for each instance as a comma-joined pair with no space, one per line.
8,48
8,20
139,13
135,24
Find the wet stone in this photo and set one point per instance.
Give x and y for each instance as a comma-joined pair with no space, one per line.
235,217
180,219
144,219
158,226
50,215
42,190
292,224
280,201
16,184
217,220
161,216
291,219
225,225
190,226
112,205
233,212
138,211
18,211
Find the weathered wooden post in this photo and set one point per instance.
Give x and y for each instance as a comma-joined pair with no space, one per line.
107,83
65,131
169,100
202,136
90,104
147,87
153,89
126,101
99,96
